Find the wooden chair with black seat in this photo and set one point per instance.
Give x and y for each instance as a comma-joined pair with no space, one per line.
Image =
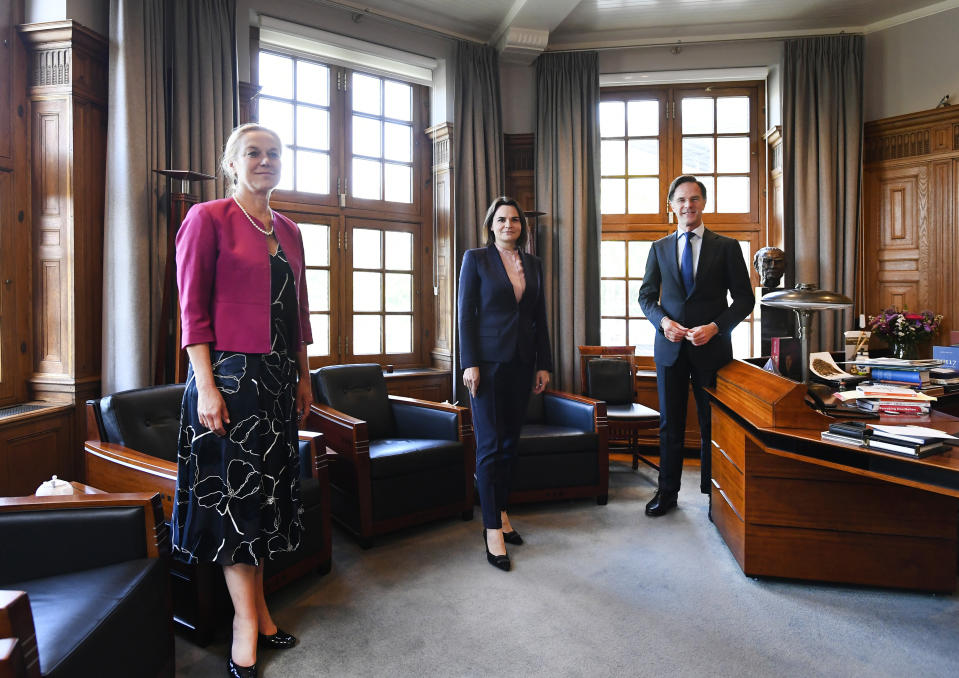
608,373
131,446
85,590
396,461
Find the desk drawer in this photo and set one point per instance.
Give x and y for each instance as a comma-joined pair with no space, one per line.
729,437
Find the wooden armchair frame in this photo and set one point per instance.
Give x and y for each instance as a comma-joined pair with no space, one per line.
347,438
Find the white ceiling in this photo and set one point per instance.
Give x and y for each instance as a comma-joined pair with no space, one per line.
575,24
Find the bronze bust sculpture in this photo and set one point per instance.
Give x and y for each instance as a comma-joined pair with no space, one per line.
770,264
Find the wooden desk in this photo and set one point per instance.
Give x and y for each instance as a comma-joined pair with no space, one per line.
789,504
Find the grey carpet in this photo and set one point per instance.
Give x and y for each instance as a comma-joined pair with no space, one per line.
595,591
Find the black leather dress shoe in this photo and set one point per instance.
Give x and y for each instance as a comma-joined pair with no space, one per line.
241,671
661,504
281,640
512,537
502,562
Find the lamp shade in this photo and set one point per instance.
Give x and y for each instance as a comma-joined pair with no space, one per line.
806,296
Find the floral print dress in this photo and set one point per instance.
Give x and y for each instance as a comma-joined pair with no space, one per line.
237,498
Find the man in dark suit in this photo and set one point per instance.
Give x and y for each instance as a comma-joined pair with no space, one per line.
684,295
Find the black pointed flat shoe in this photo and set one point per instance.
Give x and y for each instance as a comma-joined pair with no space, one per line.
512,537
240,671
281,640
501,562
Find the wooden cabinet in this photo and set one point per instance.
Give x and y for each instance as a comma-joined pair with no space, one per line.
34,447
910,225
427,384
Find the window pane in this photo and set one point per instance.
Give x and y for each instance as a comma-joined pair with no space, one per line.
710,184
320,324
732,115
612,196
366,291
399,183
316,244
740,341
642,335
398,100
399,292
366,136
313,128
634,309
399,251
612,297
366,334
612,260
732,194
312,172
643,118
276,75
612,119
278,116
638,254
612,157
697,115
643,196
643,156
398,142
366,248
366,179
399,334
366,94
612,332
697,155
318,289
312,83
732,154
286,174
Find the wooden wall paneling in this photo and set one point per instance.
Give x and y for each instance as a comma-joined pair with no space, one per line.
910,202
8,45
774,182
444,273
34,447
518,157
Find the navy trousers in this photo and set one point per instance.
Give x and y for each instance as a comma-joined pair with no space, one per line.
499,409
672,384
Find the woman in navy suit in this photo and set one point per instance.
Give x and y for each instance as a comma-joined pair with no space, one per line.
504,355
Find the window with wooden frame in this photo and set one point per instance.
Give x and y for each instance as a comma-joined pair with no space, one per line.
355,167
649,136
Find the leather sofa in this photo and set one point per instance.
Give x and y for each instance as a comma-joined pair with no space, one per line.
132,446
396,461
563,450
85,587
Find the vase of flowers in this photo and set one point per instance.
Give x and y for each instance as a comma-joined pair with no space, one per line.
904,330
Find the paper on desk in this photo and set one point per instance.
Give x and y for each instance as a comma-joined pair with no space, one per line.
909,430
823,366
887,393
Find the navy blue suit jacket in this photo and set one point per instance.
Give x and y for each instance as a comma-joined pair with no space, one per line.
493,325
721,269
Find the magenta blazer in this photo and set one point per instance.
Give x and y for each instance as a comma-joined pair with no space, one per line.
223,274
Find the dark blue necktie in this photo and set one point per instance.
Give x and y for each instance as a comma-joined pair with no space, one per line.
686,267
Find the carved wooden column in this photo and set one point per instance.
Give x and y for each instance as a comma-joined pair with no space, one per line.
444,264
774,204
68,115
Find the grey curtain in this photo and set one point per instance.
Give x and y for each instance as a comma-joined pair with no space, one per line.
822,170
567,188
477,158
477,142
173,103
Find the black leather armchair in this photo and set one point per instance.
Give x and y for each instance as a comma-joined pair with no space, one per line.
396,461
563,450
612,380
131,447
85,587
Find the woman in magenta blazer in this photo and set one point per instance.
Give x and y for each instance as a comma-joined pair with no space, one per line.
504,355
246,325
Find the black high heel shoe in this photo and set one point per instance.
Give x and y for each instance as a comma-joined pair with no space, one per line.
281,640
240,671
512,537
502,562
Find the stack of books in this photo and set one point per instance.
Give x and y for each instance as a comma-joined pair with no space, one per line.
891,399
946,377
908,443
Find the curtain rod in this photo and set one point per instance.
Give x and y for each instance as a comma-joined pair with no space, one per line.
699,43
358,11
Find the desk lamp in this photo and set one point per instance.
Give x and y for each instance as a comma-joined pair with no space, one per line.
804,299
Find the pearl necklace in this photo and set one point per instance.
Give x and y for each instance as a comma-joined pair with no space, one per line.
247,215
